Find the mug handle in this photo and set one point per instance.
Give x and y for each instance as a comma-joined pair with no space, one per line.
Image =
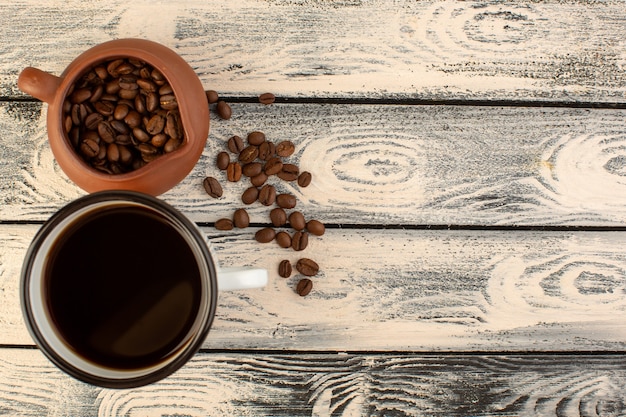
241,278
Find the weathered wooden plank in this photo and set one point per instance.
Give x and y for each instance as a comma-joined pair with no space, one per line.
493,50
213,384
406,289
378,164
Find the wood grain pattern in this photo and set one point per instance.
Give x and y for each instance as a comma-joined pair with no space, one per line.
216,384
515,50
376,164
412,290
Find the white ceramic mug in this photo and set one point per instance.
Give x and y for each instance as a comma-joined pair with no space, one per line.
40,287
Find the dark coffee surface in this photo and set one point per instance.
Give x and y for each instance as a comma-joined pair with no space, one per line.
123,288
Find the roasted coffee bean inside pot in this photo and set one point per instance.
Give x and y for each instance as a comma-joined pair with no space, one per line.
118,101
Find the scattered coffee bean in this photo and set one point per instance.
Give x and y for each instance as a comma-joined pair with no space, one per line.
248,154
256,138
267,98
304,179
304,287
273,166
233,172
283,239
289,172
212,96
265,235
296,220
250,195
224,224
252,169
267,195
223,159
259,180
223,110
287,201
284,268
235,144
278,217
241,219
118,102
267,150
212,187
307,267
299,241
315,227
285,148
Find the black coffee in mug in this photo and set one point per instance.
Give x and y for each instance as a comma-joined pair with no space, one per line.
119,289
123,287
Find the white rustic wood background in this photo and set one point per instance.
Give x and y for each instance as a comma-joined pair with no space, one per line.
468,158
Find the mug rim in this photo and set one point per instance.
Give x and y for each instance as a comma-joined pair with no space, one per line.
156,373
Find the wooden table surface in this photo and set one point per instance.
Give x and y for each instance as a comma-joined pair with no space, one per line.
468,159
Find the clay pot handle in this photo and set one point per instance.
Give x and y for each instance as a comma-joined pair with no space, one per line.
39,84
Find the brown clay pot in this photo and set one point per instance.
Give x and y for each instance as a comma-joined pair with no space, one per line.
157,176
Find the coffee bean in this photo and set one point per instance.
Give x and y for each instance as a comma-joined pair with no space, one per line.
113,152
252,169
307,267
265,235
168,102
284,268
278,217
121,110
92,120
250,195
296,220
304,287
223,110
106,132
224,224
212,187
287,201
140,135
89,148
267,150
235,144
256,138
289,172
133,119
233,172
304,179
248,154
173,125
267,98
222,160
259,180
283,239
80,95
155,124
285,148
315,227
299,241
212,96
159,140
273,166
267,195
241,219
171,145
